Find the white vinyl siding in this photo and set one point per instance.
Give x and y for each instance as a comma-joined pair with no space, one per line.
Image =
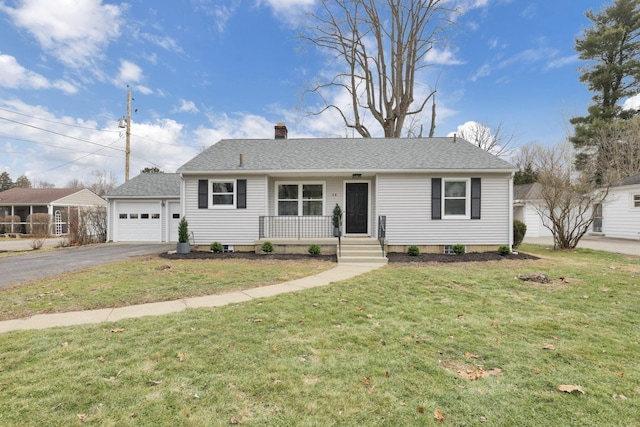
227,226
620,217
406,202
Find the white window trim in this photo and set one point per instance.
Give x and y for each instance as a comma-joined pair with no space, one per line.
633,200
467,202
300,197
235,193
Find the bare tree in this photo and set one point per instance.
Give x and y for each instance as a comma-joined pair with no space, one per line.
43,184
382,45
618,152
103,182
568,200
494,140
75,183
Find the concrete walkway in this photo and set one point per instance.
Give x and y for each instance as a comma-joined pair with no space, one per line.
44,321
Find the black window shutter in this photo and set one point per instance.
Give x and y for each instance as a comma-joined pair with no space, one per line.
436,198
475,198
242,194
203,194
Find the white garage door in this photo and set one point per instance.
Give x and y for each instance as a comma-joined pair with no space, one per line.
139,222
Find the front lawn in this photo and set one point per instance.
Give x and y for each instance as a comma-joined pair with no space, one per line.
144,280
464,343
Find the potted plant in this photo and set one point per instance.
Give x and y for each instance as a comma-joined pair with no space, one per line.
183,237
337,220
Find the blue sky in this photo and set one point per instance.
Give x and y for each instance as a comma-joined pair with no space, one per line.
204,70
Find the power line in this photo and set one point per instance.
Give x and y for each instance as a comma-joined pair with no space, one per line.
53,132
57,122
47,144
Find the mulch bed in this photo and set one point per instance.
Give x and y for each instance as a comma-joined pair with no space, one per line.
393,257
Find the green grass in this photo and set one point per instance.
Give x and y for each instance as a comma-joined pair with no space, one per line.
385,348
144,280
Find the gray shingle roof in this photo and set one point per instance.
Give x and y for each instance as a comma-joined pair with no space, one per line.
149,185
376,154
630,180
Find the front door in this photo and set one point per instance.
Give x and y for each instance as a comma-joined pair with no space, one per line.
357,208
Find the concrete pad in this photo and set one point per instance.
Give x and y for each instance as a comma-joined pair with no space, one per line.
151,309
217,300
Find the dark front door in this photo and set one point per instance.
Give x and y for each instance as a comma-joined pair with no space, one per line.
357,212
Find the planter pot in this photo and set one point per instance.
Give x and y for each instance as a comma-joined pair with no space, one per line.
183,248
336,232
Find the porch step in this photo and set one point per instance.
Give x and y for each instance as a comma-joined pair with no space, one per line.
360,251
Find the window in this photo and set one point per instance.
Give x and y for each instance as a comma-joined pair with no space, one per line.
144,216
133,216
123,216
456,200
636,200
155,216
223,194
175,216
300,199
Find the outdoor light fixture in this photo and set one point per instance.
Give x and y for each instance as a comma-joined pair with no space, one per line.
356,175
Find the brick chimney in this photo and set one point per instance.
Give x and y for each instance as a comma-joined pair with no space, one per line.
281,131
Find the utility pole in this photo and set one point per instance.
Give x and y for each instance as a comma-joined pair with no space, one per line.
128,132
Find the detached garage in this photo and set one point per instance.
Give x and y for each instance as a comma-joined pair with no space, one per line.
145,209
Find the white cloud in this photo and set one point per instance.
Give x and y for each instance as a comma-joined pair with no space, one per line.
483,71
15,76
186,107
165,42
129,72
561,62
74,32
632,103
56,158
442,57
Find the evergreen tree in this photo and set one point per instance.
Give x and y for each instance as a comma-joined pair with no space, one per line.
611,49
5,181
23,182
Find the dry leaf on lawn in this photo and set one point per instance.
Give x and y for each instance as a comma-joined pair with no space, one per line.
549,347
570,388
438,415
471,355
117,330
182,356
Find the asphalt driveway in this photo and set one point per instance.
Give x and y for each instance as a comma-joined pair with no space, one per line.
36,265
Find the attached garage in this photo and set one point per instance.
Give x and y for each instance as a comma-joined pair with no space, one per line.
145,209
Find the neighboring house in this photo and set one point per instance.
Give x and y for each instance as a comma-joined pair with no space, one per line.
619,215
145,209
17,204
527,205
429,192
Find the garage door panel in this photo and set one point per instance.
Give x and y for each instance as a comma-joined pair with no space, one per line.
139,222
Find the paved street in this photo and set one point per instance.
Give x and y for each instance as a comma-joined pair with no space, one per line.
38,264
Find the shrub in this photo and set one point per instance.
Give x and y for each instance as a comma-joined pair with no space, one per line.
519,231
38,224
183,231
413,250
314,249
216,247
458,249
504,250
267,247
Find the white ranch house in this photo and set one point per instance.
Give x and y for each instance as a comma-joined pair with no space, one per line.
430,192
